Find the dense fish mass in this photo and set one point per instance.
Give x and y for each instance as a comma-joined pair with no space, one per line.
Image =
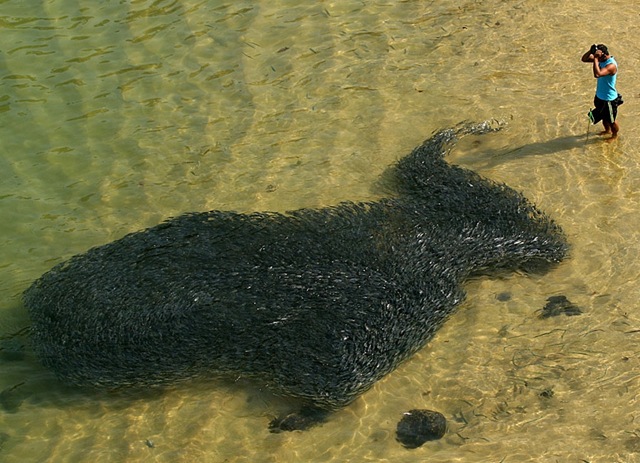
317,304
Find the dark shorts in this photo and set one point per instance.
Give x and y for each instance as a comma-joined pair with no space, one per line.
605,111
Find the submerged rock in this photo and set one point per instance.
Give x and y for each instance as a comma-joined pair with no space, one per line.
419,426
11,398
298,421
558,305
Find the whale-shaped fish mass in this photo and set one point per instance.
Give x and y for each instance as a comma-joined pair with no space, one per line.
316,304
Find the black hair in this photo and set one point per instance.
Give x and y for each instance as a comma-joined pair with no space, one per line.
603,48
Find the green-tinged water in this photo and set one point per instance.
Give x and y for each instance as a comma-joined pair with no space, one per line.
117,115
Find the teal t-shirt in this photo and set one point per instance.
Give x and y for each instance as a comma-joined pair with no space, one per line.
606,85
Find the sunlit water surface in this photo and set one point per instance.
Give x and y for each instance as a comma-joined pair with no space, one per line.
117,115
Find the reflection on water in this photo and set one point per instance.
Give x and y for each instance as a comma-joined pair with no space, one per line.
117,115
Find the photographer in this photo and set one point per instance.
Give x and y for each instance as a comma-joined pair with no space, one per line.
607,99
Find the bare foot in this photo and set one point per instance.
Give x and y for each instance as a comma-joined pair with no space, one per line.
614,137
604,132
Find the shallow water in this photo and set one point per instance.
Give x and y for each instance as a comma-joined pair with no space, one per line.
115,116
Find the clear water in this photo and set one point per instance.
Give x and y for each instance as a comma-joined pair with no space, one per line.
117,115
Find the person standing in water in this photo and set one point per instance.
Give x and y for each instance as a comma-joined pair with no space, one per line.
607,99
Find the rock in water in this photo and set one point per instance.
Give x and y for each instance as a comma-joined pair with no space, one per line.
316,304
419,426
298,421
558,305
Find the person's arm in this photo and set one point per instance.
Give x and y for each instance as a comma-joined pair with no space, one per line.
609,69
587,57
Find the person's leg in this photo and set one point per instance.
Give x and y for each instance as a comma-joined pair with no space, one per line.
611,120
614,130
600,113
